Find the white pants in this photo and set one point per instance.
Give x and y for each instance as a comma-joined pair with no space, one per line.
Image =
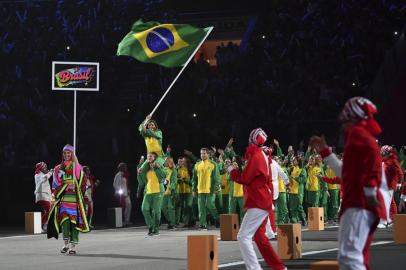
253,218
387,197
355,227
127,209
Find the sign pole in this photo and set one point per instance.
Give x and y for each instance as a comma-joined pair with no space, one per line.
75,76
74,120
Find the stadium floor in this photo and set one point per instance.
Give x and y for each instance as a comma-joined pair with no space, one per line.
130,248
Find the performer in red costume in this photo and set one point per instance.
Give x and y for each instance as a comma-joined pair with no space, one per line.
361,173
402,203
256,178
394,176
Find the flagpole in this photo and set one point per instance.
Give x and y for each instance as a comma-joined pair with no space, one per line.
183,68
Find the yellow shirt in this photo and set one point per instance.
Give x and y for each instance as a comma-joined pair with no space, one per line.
282,187
238,190
330,174
225,187
312,180
153,185
153,145
183,174
294,185
204,169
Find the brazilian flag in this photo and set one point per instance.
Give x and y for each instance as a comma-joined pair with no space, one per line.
169,45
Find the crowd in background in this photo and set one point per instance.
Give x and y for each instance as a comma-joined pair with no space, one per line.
304,58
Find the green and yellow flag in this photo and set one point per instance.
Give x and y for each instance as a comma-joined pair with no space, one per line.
169,45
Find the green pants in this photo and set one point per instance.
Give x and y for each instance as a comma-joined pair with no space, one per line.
234,203
168,208
184,208
312,199
333,204
323,199
294,203
282,215
151,209
206,206
302,213
226,202
69,232
219,202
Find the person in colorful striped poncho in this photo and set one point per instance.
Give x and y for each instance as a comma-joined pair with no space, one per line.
68,212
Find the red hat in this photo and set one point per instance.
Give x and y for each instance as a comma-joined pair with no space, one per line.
357,108
386,150
257,137
39,166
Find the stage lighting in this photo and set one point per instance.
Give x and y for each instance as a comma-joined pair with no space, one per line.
128,109
120,191
194,115
396,33
353,84
68,48
263,36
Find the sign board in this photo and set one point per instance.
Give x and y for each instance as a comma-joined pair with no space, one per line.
80,76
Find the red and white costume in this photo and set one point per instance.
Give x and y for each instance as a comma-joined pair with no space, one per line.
256,178
361,174
394,176
42,191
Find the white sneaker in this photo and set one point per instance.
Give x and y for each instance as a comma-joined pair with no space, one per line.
381,226
270,235
388,225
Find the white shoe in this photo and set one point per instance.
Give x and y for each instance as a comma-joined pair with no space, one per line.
270,235
388,225
381,226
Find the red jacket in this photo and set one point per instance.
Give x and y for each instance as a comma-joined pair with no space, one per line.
256,178
362,168
393,171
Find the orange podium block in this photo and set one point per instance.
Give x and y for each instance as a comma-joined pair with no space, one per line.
399,224
229,226
290,241
202,252
315,217
325,265
33,222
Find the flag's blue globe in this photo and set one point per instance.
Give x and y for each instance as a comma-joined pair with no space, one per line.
160,39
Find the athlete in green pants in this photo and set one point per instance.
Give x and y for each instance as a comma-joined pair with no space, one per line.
236,200
312,184
170,195
206,183
297,179
151,178
185,199
334,198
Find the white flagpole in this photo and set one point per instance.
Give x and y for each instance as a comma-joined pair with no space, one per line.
183,68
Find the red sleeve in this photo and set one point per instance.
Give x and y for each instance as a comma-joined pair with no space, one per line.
394,173
325,152
333,180
364,146
251,171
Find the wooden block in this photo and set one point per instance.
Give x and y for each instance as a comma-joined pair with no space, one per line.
325,265
315,218
115,217
202,252
290,241
33,222
399,226
229,226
